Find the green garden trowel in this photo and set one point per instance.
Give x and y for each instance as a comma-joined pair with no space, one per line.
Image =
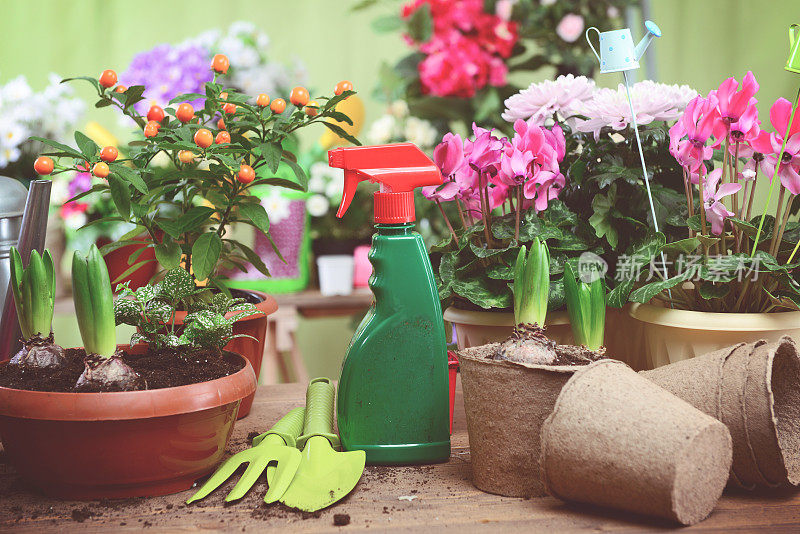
324,475
274,446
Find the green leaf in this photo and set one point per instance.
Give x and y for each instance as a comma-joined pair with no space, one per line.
339,116
338,130
88,147
684,246
256,214
133,95
168,253
647,292
173,228
205,254
254,259
176,285
195,218
129,175
121,196
602,218
710,290
299,172
476,291
271,152
61,147
420,24
387,24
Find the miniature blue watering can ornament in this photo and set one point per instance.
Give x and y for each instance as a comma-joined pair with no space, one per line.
617,52
793,63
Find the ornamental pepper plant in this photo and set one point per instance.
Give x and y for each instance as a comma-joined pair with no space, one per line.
189,177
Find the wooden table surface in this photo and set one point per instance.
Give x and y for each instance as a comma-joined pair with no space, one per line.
399,499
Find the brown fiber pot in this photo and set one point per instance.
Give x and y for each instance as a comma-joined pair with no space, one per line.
128,444
252,349
506,404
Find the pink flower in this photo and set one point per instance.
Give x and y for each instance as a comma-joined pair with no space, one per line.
713,193
570,27
697,123
449,154
515,166
769,144
485,150
733,102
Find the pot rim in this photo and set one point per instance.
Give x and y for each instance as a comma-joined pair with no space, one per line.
497,318
716,321
267,306
127,405
465,355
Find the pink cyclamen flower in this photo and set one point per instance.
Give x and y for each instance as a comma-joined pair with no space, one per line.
733,102
449,154
770,144
515,166
697,124
485,150
713,193
570,27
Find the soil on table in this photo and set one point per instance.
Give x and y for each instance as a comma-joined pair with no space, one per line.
160,369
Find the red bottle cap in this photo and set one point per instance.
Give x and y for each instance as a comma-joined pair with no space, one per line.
398,168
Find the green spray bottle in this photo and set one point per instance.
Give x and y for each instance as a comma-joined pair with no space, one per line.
393,389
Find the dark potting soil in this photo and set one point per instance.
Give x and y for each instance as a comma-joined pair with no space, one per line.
160,369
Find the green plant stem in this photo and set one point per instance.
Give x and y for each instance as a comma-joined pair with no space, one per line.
447,221
782,228
775,175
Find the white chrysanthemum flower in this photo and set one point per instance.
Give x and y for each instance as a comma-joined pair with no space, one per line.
277,206
242,28
541,100
12,134
8,155
317,205
420,132
651,102
335,187
383,130
16,90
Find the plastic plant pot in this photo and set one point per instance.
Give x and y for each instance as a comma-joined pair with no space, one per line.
362,268
251,349
452,367
117,263
335,274
85,446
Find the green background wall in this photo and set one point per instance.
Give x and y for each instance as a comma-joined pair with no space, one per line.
703,42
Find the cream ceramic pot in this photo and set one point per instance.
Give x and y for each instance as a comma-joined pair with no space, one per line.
668,335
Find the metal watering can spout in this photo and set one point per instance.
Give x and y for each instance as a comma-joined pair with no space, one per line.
652,31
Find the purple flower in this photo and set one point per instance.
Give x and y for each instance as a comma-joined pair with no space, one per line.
167,71
80,183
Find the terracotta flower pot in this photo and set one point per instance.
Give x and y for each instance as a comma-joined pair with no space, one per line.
251,349
669,336
127,444
475,328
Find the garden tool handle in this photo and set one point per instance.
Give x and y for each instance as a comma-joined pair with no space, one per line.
288,428
590,42
319,412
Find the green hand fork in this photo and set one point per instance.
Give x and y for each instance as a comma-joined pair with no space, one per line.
324,475
275,445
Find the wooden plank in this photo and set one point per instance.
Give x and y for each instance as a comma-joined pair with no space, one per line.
401,499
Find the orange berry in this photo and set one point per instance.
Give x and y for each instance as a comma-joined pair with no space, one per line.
223,95
223,137
221,124
186,156
312,109
120,89
278,105
246,174
262,100
43,165
151,129
220,63
100,169
229,108
184,113
108,78
156,113
299,96
342,86
203,138
109,153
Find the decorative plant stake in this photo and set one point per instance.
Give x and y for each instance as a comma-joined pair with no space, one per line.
34,293
94,306
617,53
586,305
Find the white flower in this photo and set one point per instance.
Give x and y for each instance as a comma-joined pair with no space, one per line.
570,27
382,130
335,187
540,100
12,134
398,108
547,2
317,205
420,132
8,155
277,206
75,220
17,89
651,101
241,27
